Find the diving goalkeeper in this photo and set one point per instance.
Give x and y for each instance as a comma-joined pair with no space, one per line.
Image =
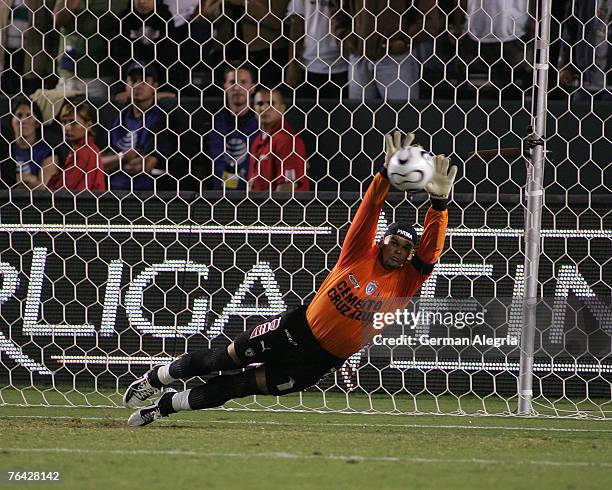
297,349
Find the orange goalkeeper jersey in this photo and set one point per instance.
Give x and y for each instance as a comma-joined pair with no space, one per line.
340,315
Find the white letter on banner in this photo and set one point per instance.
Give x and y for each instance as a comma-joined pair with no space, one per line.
112,298
263,272
135,293
30,318
350,367
427,301
10,282
568,279
381,226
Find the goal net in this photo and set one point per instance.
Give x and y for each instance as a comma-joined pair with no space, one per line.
176,255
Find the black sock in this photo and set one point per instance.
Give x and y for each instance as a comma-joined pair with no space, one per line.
201,362
165,404
220,389
154,380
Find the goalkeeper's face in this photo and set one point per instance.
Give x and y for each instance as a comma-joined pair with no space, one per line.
395,251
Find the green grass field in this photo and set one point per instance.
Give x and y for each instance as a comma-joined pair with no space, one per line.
93,448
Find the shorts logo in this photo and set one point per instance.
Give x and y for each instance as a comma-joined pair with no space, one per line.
265,328
371,287
354,281
290,338
329,373
250,352
286,386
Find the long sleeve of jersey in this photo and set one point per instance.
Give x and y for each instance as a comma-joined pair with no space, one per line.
433,237
362,231
430,248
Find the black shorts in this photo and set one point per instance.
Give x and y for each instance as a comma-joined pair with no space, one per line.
293,358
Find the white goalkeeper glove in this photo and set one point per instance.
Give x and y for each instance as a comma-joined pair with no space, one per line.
441,183
394,143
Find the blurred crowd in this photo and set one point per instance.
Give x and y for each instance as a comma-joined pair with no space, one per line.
62,59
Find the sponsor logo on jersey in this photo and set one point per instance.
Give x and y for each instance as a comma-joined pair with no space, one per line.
265,328
352,305
290,338
371,287
354,281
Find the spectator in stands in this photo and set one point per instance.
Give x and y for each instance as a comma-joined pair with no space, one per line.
496,44
147,36
28,43
193,35
314,53
81,169
85,57
259,24
40,43
34,159
84,63
137,148
14,23
432,47
278,154
377,38
234,129
5,16
585,56
7,166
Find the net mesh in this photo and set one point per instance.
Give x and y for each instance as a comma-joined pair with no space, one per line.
167,230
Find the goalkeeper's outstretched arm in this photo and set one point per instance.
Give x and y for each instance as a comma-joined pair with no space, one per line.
436,219
436,222
362,231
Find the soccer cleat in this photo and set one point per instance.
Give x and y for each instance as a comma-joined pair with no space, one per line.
146,415
140,390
